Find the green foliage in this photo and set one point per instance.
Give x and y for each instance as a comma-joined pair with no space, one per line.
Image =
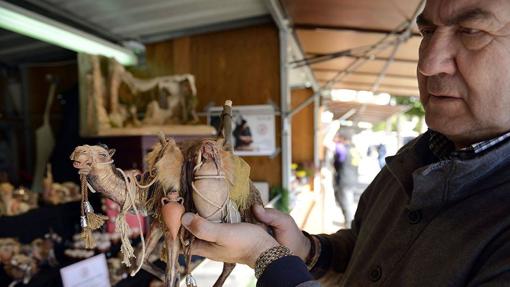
419,125
415,104
283,203
379,127
416,110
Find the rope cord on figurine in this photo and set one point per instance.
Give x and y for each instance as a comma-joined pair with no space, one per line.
120,222
86,171
219,207
190,281
89,221
145,186
227,204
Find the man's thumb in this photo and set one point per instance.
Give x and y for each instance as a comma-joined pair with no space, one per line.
200,227
270,216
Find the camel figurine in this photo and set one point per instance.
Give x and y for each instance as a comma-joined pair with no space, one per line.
202,176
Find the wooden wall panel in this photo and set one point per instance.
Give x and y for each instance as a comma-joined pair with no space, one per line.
37,89
160,60
182,55
302,128
240,64
67,75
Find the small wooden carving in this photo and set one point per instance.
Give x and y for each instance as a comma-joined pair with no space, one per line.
112,98
12,202
58,193
21,268
8,248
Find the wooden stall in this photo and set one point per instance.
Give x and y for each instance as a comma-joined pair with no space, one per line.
302,127
240,64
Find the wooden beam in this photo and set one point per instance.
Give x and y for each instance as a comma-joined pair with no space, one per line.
303,26
411,83
365,73
377,58
393,90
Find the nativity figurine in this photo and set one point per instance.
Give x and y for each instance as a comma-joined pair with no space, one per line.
202,176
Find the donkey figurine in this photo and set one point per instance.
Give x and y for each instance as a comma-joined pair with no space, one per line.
202,176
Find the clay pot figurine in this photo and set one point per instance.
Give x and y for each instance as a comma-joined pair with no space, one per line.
172,211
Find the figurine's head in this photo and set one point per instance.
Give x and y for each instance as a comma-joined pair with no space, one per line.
86,156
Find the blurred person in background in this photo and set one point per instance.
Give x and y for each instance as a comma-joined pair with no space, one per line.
381,154
346,164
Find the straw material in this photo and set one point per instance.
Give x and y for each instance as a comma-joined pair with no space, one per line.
241,190
88,238
95,221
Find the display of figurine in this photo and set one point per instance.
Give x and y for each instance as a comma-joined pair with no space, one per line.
114,97
9,204
26,196
78,253
21,268
58,193
22,262
43,249
103,243
8,248
77,248
202,176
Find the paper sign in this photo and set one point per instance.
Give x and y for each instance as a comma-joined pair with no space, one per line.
92,272
253,129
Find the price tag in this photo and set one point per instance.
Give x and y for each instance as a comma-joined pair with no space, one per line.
91,272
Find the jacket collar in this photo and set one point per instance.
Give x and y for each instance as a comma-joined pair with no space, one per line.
431,183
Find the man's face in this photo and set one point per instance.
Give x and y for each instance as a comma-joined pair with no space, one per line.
464,68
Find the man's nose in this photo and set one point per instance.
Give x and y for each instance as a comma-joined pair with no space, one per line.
437,55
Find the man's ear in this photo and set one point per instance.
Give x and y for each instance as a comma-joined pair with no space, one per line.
111,151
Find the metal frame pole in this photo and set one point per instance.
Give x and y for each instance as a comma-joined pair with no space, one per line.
285,107
286,131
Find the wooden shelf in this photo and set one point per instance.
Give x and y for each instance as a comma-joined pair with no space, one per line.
175,130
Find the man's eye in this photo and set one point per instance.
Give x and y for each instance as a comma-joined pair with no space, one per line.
470,31
426,31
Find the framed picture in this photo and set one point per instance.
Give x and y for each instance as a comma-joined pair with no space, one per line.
253,129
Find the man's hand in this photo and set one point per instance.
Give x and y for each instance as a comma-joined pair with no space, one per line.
231,243
285,230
